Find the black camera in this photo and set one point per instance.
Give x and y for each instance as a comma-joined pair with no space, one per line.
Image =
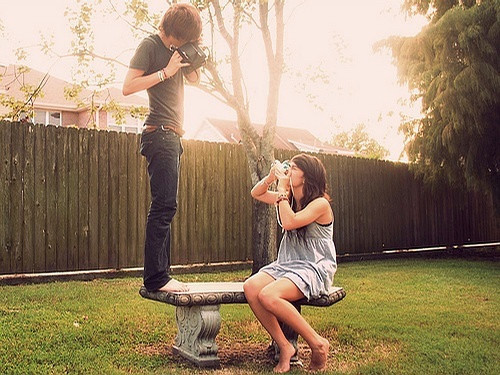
192,54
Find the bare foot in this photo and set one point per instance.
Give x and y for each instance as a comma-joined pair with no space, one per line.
174,286
285,355
319,355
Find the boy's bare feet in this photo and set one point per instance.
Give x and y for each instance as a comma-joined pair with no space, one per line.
174,286
285,356
319,355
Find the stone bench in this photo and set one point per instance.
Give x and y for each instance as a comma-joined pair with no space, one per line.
198,318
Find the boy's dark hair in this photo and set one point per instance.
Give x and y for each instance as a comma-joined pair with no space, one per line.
183,22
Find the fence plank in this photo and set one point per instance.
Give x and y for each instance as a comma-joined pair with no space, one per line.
83,199
132,210
104,183
181,224
122,200
28,187
220,189
73,195
114,194
235,225
209,250
198,196
93,186
192,158
16,197
144,201
243,207
51,200
229,226
40,207
5,201
61,176
202,210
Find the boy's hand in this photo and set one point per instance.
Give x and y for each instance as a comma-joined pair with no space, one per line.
174,64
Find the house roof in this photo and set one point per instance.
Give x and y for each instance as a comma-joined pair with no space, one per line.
13,77
285,138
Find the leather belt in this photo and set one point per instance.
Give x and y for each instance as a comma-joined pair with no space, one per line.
152,128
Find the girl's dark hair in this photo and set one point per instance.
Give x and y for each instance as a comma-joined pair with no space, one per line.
183,22
314,182
314,178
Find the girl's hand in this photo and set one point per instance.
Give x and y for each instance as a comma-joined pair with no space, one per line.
272,173
284,183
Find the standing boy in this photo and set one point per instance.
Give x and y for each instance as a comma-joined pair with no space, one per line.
157,67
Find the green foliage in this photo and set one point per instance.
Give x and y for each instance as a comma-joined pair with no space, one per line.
141,17
17,109
359,141
434,9
453,66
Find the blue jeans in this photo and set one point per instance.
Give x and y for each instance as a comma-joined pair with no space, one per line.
162,149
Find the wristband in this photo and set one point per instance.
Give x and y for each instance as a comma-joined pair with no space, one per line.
281,197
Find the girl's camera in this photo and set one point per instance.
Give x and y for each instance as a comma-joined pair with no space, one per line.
281,168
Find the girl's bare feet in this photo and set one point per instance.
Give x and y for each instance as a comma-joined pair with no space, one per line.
285,355
174,286
319,355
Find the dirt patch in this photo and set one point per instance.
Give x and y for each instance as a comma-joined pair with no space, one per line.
157,349
234,355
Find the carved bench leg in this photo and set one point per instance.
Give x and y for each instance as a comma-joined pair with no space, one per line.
292,336
198,327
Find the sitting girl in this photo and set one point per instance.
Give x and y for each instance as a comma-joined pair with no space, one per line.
306,259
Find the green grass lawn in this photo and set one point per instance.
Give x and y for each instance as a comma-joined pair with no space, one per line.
436,316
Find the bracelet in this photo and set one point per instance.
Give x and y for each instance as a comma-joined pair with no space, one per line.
281,197
161,75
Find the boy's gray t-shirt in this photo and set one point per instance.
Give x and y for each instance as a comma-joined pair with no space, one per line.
166,99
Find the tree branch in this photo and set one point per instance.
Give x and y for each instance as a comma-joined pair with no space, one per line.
130,23
218,85
266,35
220,22
275,64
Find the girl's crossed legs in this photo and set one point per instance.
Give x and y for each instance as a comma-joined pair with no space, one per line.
270,300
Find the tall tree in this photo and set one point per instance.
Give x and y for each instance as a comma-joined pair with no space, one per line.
227,21
453,66
359,141
259,148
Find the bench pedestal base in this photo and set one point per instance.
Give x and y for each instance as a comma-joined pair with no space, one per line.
198,327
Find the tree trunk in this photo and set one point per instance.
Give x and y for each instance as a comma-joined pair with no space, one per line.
263,235
260,155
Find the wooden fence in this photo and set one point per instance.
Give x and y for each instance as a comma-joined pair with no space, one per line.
77,199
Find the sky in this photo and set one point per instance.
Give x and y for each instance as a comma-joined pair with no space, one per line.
331,37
